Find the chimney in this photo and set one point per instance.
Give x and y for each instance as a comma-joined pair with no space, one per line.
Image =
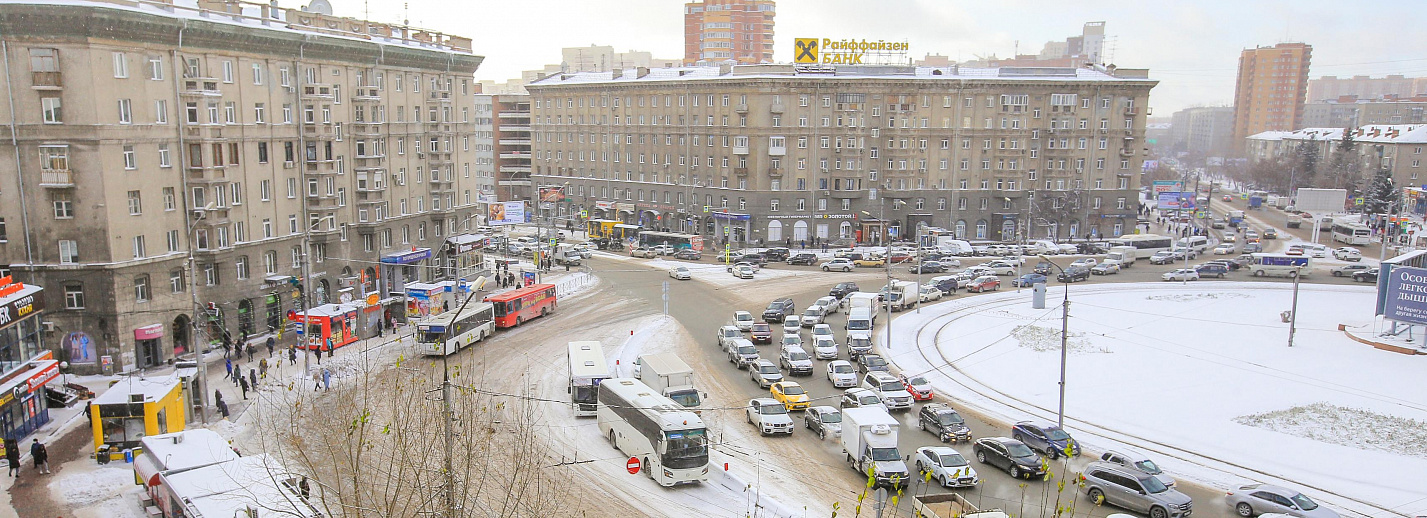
640,72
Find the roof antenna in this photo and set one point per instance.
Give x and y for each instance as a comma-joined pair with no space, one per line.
405,13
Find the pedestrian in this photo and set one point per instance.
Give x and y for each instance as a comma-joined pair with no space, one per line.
326,379
252,351
253,378
292,355
227,344
41,456
228,363
272,346
445,305
244,337
243,383
304,488
237,374
12,457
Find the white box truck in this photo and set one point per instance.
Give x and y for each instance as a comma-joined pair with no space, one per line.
869,439
1122,255
907,295
862,299
949,505
668,375
951,245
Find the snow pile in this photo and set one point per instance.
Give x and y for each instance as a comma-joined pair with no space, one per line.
1352,427
95,490
1042,339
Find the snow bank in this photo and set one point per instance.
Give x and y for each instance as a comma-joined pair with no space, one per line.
93,490
1215,392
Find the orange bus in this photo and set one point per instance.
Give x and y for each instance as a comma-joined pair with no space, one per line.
517,306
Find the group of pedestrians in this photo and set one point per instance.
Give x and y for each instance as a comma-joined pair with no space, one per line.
38,453
503,277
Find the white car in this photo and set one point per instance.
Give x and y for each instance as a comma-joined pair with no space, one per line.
841,265
743,320
889,389
1085,262
929,292
841,374
743,271
1347,253
1182,274
1316,250
792,325
822,331
1224,249
664,249
813,315
792,341
727,335
680,273
825,348
999,268
862,398
796,360
769,416
1229,237
830,305
946,466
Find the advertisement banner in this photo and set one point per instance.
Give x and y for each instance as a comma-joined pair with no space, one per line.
506,213
1405,293
1175,200
552,194
1163,186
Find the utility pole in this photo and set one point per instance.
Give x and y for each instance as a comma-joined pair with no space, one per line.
197,310
1293,311
447,415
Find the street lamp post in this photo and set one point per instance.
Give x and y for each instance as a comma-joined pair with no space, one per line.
306,298
197,309
1064,340
887,262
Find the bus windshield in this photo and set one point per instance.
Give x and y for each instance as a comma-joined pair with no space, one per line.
430,337
585,393
685,449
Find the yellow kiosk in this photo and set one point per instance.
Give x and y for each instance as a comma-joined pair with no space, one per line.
134,408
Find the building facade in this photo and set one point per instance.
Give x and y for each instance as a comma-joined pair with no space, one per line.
1204,131
1349,111
512,146
1365,87
781,154
222,156
1396,148
1271,88
728,31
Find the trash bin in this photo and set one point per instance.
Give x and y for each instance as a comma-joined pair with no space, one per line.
102,455
128,455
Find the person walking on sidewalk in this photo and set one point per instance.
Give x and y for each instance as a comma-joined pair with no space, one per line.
326,379
243,383
263,368
218,402
228,363
272,346
12,457
253,378
292,355
252,351
41,456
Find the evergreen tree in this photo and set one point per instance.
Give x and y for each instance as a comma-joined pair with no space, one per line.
1305,164
1381,193
1343,166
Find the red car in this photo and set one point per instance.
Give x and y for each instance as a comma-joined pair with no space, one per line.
984,283
762,333
918,387
899,257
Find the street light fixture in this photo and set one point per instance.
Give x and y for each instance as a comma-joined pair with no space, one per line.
198,215
1064,338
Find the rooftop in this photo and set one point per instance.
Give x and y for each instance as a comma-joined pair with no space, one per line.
845,72
1377,133
152,389
187,449
228,488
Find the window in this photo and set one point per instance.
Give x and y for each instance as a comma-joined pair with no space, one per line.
63,205
173,241
140,251
260,113
126,112
73,296
227,71
175,281
136,206
241,266
68,251
51,107
130,161
141,288
257,73
121,65
270,262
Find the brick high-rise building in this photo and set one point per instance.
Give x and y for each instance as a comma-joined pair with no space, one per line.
728,30
1271,89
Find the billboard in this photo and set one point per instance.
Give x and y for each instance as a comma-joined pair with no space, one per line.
1405,295
552,194
1174,200
506,213
827,51
1321,200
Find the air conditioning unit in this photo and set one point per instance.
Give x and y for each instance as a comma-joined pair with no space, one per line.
49,326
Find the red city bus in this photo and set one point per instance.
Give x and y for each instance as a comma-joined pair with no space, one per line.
515,307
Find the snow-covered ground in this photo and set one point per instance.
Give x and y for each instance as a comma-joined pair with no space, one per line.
1202,377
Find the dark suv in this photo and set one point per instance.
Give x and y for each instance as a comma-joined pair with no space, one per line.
776,254
1045,437
1073,274
943,421
1212,270
803,259
758,259
778,309
842,289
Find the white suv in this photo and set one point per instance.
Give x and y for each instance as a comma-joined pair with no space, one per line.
769,416
891,390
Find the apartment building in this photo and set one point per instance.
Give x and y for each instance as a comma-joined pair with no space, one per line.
1271,88
255,140
1349,111
1396,148
1203,131
512,146
780,153
728,31
1365,87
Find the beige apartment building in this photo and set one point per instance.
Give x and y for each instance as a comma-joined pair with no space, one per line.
146,131
729,31
787,154
1271,89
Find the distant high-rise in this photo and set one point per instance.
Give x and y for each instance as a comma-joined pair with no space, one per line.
1271,88
728,30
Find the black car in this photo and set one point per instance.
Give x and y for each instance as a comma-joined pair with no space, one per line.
778,309
926,267
943,421
1212,270
842,289
776,254
688,254
1366,275
1045,437
947,286
758,259
1073,275
871,362
1009,454
1043,268
803,259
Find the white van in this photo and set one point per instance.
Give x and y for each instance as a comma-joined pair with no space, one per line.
954,246
859,323
1198,243
1122,255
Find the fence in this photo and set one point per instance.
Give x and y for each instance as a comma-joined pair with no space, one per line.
575,283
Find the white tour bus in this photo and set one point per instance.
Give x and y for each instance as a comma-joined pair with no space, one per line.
1281,265
669,440
1145,244
588,368
1351,233
475,323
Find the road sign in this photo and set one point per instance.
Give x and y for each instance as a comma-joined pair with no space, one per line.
632,465
553,242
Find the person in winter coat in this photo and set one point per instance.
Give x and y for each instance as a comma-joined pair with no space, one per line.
228,363
12,457
218,402
243,383
253,378
263,368
292,355
326,379
272,346
41,456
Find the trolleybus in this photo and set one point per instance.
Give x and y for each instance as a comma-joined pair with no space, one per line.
587,369
519,305
670,441
450,332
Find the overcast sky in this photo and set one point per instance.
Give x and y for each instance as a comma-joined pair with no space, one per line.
1191,47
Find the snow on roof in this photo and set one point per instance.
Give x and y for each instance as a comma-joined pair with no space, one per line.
152,389
1392,133
1270,135
187,449
832,72
227,488
251,15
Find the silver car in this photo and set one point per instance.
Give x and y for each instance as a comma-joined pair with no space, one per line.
765,373
946,466
1136,461
1256,499
1128,489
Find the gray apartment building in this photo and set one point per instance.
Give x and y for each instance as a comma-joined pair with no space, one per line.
793,154
253,139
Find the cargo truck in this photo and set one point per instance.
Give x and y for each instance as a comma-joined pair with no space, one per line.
951,505
862,299
869,440
668,375
1122,255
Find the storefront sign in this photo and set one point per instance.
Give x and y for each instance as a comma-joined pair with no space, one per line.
149,332
1405,295
420,254
45,375
844,52
626,207
604,205
731,216
20,307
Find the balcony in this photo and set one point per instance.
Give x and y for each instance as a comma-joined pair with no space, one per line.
779,150
367,129
200,87
515,142
324,201
370,197
846,194
740,150
204,131
740,171
441,96
320,167
367,94
776,108
1130,110
46,81
207,174
318,130
57,179
740,108
317,91
1127,153
775,172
